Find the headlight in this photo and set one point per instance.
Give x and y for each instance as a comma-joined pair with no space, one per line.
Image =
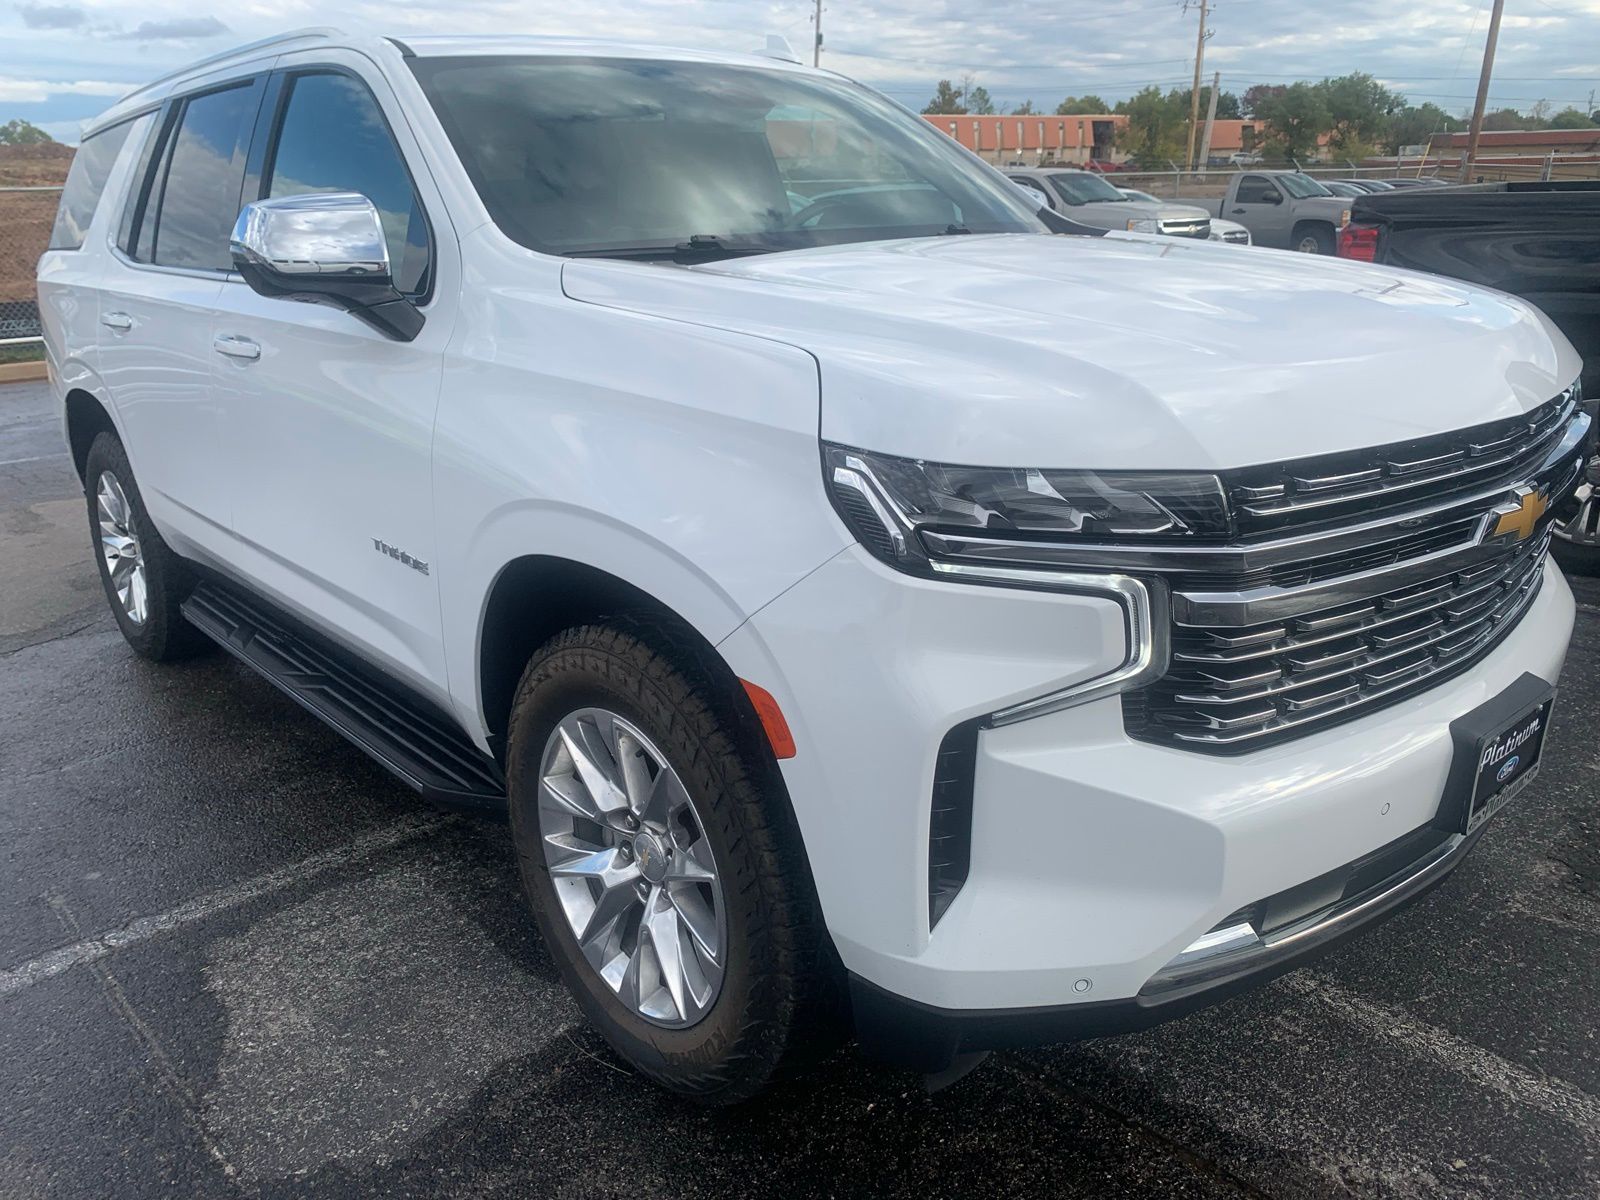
919,515
1143,225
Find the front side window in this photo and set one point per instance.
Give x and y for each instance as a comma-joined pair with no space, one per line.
86,179
612,156
333,138
199,192
1255,189
1080,187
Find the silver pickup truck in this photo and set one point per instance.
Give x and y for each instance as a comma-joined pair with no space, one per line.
1281,208
1088,199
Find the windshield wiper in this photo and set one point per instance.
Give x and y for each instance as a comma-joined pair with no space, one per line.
952,229
701,247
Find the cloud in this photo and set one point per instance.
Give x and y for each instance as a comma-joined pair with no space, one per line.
176,29
52,16
36,91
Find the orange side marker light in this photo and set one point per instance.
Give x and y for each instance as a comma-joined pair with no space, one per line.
778,735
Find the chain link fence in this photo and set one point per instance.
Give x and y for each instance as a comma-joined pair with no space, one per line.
26,215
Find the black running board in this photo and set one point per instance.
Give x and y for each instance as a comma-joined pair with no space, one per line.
416,741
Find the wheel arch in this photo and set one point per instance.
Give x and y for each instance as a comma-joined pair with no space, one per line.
86,418
1309,224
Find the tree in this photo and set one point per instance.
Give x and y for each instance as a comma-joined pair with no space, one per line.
978,101
1414,125
1295,119
1505,118
1025,109
1228,106
1571,118
1156,127
1540,113
1359,110
946,100
1077,106
1250,103
22,133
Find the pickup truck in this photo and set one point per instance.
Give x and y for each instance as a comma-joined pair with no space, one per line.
1284,209
1539,241
882,606
1089,200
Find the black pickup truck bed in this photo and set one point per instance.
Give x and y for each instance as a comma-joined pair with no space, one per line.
1540,241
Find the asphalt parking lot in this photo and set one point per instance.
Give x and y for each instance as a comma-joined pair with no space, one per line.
236,959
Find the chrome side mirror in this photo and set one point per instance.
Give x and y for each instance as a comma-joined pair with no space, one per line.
323,248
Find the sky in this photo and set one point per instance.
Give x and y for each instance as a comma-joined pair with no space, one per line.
62,61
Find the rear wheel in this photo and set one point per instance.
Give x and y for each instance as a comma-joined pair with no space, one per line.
1313,239
145,582
666,884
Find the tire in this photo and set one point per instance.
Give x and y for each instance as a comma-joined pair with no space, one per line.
1576,540
773,1007
1312,239
151,582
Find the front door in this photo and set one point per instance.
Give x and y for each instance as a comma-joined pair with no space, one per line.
329,422
1260,204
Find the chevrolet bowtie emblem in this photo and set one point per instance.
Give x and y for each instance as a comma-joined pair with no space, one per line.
1516,519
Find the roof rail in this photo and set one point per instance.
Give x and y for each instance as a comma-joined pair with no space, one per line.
294,35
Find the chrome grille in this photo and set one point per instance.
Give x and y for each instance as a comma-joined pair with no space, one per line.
1186,227
1280,634
1404,474
1243,687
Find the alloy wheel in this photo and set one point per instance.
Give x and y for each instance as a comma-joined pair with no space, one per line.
120,548
632,868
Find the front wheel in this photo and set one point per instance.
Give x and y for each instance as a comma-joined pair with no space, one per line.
1576,541
653,851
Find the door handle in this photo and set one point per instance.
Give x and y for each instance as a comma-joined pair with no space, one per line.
1238,212
236,347
120,321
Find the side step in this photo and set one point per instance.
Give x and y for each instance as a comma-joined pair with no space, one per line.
417,742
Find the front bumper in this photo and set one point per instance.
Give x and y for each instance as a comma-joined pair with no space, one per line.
1095,860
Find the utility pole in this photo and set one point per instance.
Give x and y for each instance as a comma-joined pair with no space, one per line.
816,45
1211,121
1194,96
1483,92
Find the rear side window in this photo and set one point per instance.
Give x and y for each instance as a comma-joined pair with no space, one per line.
333,138
196,174
91,167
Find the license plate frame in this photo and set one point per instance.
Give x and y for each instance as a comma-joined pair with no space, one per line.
1499,747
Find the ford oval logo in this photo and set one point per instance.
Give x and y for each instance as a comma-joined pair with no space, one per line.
1507,768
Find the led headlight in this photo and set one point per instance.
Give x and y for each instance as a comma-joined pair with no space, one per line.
912,513
1143,225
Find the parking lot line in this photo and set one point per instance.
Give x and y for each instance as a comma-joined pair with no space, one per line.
1551,1096
92,949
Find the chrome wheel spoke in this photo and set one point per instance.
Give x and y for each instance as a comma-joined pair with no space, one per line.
120,549
631,866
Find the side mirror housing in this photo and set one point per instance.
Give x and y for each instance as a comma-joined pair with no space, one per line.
323,248
1273,198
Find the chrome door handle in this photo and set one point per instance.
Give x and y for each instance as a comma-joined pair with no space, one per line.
120,321
236,347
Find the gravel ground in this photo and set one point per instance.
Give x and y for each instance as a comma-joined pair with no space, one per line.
236,959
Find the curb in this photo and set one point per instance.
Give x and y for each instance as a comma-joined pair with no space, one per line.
22,372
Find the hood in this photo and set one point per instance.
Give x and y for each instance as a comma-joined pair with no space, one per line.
1121,351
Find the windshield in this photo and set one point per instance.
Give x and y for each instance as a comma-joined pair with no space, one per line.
1301,186
598,156
1080,187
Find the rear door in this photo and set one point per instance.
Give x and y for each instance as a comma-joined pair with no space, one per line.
328,422
156,306
1261,206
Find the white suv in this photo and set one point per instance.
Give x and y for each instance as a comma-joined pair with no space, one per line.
877,599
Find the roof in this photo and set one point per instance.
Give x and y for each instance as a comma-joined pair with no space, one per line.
263,52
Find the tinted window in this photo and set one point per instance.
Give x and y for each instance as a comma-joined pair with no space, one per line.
1302,186
1080,187
1255,189
614,155
91,166
334,139
200,196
